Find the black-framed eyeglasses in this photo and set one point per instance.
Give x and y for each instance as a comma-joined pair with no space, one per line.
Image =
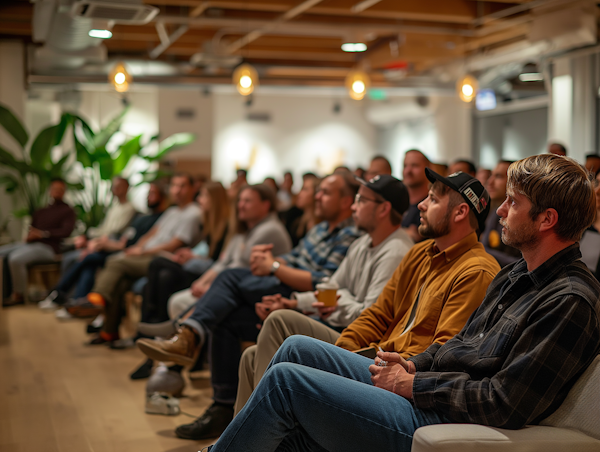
360,198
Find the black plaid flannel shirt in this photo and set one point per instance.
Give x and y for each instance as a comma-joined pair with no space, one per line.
521,351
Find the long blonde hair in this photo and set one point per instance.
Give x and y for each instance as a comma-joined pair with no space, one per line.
216,218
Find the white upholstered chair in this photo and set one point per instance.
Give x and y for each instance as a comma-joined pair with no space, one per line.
574,427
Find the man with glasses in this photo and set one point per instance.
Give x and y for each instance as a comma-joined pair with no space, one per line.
362,275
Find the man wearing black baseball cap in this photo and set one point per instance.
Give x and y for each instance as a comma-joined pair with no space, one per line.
360,278
471,191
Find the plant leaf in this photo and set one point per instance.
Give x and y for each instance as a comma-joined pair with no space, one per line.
105,163
65,120
171,143
128,150
102,137
57,168
13,126
40,149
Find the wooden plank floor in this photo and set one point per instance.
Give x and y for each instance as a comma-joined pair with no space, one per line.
56,394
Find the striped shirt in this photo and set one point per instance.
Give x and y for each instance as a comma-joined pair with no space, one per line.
320,252
521,351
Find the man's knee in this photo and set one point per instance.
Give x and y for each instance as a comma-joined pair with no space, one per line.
295,346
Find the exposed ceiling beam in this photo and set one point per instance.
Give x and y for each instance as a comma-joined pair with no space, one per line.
258,32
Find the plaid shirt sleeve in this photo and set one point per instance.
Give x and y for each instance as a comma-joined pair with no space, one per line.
558,342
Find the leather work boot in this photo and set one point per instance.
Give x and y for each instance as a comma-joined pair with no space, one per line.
182,348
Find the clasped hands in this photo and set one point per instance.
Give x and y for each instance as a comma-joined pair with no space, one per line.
396,376
261,260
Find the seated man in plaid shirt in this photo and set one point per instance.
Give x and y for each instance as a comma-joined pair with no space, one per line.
512,364
226,307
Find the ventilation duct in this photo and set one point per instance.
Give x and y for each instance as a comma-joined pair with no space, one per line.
122,13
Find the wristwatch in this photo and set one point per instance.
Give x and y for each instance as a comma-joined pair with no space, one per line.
274,267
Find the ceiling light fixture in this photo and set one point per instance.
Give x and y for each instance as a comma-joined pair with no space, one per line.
120,78
245,79
357,83
467,88
101,34
531,77
354,47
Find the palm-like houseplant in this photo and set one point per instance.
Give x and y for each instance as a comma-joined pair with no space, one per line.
29,176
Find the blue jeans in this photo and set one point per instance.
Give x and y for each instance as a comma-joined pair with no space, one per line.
315,397
82,273
232,289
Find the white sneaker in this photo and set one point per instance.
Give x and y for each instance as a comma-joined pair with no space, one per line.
48,303
158,403
62,314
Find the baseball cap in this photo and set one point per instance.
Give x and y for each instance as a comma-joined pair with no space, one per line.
390,189
470,189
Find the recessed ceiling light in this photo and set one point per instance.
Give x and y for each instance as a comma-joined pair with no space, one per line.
102,34
531,77
354,47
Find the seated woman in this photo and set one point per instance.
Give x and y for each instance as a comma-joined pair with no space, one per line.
301,217
171,273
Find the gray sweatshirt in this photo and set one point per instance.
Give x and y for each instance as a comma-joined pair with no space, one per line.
361,276
237,253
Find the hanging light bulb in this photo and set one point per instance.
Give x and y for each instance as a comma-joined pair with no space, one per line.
245,79
357,83
120,78
467,88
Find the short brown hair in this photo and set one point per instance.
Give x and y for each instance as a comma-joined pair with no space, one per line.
556,182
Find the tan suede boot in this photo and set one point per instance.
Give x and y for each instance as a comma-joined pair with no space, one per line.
182,348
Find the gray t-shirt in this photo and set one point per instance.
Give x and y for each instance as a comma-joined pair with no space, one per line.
182,223
361,276
237,253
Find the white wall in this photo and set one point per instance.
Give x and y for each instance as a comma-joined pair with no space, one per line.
303,134
194,100
443,135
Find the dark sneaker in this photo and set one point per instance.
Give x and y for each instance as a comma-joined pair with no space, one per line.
211,424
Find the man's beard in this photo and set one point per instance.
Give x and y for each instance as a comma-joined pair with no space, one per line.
433,231
526,237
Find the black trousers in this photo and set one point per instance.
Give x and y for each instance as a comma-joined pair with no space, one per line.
165,277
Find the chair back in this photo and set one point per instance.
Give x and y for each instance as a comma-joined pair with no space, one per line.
581,409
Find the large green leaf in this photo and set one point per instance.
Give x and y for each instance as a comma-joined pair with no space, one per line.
40,149
127,150
13,126
65,120
103,159
56,170
171,143
8,160
102,137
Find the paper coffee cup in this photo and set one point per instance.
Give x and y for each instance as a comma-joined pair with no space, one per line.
327,292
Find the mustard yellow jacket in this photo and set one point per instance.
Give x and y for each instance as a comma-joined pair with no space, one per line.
450,285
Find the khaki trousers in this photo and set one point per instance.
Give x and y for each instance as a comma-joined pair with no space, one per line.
278,326
119,273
